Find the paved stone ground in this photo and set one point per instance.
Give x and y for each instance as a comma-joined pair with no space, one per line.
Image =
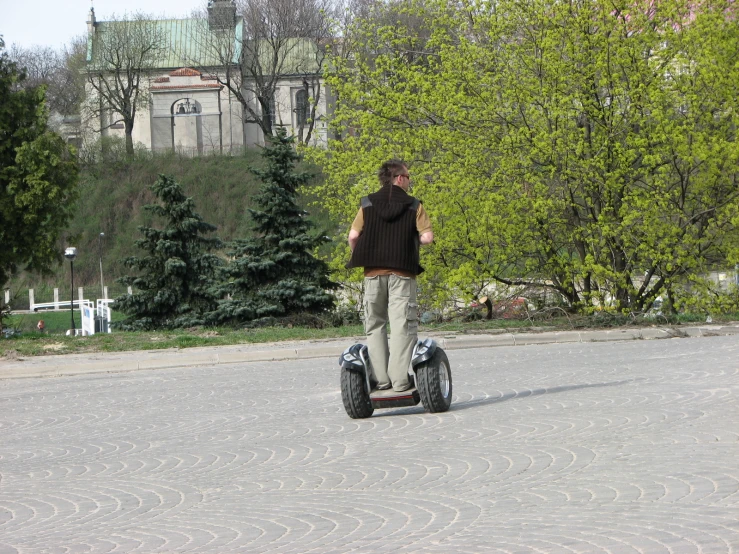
602,447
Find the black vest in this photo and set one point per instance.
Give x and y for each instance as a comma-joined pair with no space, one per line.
389,239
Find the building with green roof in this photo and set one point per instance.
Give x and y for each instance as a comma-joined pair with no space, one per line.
198,91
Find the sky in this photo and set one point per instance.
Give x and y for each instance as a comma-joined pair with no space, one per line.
54,22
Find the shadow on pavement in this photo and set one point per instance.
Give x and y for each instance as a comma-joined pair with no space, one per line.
457,405
463,405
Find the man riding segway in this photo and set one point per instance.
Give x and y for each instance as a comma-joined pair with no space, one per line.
384,238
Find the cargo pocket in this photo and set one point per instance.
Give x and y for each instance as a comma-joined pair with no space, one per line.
402,287
371,288
411,316
371,294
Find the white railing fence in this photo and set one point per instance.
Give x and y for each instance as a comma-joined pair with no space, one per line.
88,317
96,317
57,304
104,314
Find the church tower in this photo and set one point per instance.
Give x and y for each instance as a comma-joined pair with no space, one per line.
91,22
221,14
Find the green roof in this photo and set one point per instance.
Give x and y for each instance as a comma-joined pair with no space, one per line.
300,56
185,42
189,43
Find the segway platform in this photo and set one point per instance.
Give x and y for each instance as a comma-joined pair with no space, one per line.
429,371
391,399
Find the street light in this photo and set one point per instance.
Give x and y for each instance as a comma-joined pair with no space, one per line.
71,253
100,255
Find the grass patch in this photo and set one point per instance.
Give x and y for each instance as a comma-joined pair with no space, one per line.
32,343
38,344
56,323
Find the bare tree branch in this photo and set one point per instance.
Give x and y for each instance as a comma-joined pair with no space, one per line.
58,70
261,42
123,51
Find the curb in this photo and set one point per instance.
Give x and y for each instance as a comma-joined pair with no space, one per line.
120,362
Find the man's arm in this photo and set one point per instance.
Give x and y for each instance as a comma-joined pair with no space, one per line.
356,229
353,238
423,224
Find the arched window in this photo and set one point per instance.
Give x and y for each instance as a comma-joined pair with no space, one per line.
302,109
269,110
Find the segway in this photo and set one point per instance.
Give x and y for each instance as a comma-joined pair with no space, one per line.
429,372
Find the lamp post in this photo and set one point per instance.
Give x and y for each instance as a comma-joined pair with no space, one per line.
71,253
100,255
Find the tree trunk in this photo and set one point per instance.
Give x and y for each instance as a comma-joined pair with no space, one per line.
129,139
668,305
267,118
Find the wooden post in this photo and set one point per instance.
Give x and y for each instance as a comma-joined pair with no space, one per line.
56,299
30,299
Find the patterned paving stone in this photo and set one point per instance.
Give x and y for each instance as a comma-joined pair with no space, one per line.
575,448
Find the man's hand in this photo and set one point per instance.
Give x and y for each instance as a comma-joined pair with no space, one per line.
353,238
426,238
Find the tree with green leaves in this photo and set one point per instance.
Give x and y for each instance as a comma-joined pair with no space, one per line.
38,178
588,148
276,273
174,283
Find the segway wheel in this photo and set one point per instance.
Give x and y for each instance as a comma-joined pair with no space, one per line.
357,402
434,379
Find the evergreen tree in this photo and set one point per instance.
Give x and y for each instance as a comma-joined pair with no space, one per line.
38,179
275,273
174,286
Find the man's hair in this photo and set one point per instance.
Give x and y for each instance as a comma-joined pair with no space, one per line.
390,170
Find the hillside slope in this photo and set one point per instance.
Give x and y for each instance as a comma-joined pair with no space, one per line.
113,195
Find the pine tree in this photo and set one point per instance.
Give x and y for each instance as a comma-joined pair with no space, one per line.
175,281
38,179
275,273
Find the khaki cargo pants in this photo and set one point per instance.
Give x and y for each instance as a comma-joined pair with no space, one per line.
391,298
